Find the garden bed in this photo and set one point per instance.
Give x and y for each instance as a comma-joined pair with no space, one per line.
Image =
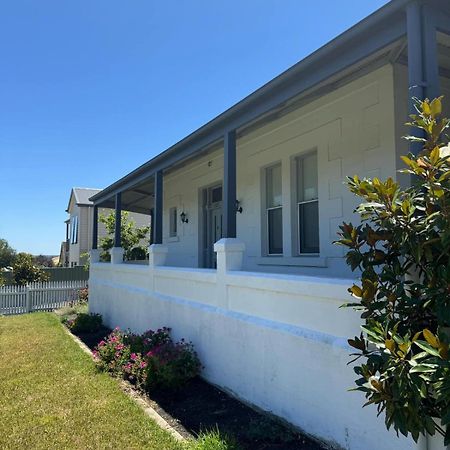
198,406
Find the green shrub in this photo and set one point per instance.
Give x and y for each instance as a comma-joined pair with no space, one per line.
171,365
111,354
85,323
402,249
143,343
150,360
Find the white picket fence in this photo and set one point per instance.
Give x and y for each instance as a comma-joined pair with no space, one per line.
44,296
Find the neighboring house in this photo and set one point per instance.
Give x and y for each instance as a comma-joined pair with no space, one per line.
245,211
79,226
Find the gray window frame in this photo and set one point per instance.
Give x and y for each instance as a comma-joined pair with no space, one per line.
267,209
297,163
173,222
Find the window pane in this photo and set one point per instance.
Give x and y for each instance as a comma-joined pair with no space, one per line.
308,218
76,229
216,195
273,184
307,178
275,225
173,222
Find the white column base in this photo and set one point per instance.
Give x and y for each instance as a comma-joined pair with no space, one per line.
157,255
94,255
230,254
116,255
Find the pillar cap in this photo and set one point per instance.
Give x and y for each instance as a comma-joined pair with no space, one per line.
157,248
229,245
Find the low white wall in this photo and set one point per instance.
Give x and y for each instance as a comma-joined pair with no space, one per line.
276,341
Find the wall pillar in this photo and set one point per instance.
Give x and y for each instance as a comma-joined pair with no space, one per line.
423,65
94,254
117,250
95,228
157,255
229,185
230,254
158,210
152,226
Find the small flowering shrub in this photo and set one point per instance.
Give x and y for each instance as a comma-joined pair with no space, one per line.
149,360
171,365
143,343
135,370
85,323
112,354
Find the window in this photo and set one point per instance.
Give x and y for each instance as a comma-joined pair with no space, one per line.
216,194
274,210
173,222
308,204
74,230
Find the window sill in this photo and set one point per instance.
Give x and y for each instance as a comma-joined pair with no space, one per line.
294,261
173,239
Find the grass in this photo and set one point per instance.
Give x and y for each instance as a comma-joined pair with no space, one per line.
51,395
213,440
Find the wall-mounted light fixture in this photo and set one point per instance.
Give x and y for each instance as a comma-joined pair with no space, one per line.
184,218
238,207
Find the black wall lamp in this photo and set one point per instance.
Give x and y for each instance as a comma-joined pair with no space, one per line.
238,207
184,218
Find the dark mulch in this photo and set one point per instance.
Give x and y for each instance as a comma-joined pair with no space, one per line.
92,339
199,406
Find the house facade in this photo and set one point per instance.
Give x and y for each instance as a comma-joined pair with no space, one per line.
245,211
79,228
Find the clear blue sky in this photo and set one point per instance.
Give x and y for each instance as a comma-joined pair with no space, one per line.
89,90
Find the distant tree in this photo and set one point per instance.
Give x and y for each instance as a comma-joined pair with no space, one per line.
132,237
43,261
25,271
7,254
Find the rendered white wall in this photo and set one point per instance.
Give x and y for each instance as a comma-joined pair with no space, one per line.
353,130
276,341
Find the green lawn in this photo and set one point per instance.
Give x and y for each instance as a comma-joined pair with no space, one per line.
51,396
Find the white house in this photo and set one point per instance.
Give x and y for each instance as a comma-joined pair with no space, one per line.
245,210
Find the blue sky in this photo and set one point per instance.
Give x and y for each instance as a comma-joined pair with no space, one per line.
89,90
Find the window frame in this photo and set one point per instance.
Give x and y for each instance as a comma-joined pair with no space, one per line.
173,222
74,230
298,204
270,208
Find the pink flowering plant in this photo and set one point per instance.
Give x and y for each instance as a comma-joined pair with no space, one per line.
135,370
143,343
150,360
171,365
111,354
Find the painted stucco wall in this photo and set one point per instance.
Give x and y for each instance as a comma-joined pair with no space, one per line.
276,341
353,131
